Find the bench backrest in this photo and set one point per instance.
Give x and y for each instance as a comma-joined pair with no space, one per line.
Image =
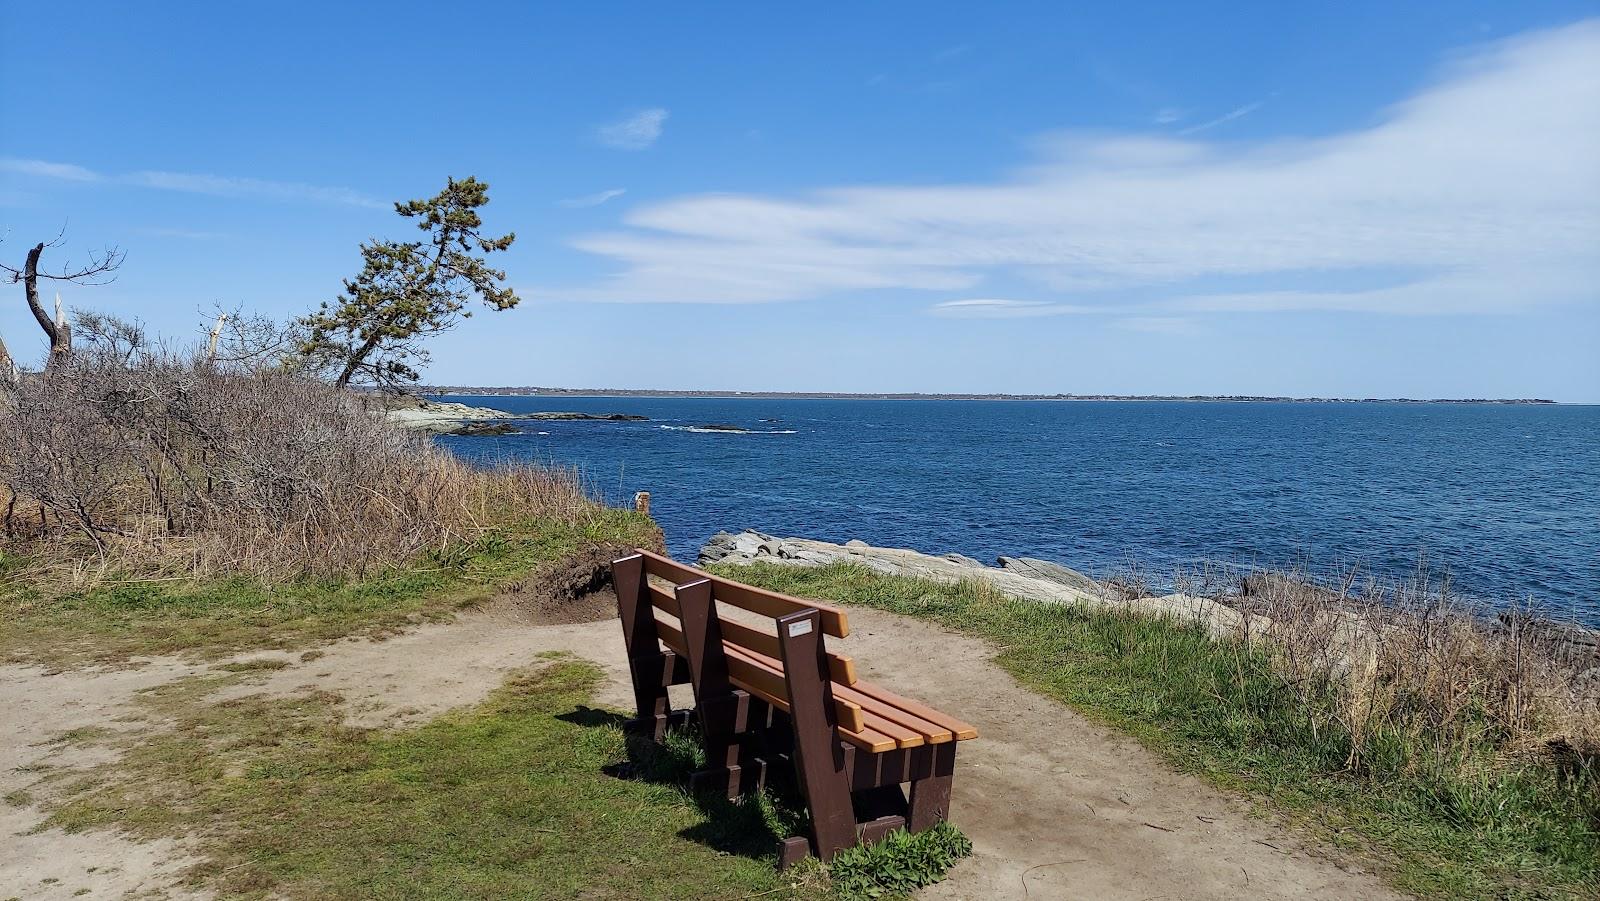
745,597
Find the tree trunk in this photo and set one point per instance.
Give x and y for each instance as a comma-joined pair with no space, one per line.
355,361
8,367
56,330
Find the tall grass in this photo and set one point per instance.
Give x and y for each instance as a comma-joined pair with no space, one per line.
139,459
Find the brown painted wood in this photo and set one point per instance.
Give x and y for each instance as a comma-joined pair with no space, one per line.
702,638
819,756
651,672
756,600
840,668
663,599
876,830
708,672
767,684
930,796
792,850
895,767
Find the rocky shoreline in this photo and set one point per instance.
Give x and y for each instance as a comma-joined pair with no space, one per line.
436,418
1051,583
1023,577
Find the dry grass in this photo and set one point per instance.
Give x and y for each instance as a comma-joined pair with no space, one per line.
151,463
1407,660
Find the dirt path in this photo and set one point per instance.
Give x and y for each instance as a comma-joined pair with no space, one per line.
1056,806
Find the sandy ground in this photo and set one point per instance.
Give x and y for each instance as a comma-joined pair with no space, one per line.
1056,806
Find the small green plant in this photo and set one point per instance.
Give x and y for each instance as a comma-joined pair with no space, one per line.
900,864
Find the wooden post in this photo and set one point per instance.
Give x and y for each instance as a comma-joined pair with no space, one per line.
641,502
819,754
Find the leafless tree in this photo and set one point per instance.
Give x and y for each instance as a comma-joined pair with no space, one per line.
100,269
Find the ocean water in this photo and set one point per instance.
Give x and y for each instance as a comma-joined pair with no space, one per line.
1506,499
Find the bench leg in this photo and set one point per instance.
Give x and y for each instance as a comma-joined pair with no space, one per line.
652,674
734,728
882,811
930,795
652,671
819,754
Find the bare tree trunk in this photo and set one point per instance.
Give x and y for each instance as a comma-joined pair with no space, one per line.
8,368
216,335
61,345
59,333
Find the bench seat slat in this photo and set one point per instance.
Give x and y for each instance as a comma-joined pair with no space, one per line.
961,730
932,733
756,600
904,736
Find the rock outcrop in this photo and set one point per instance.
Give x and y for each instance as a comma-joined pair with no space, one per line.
1022,577
438,418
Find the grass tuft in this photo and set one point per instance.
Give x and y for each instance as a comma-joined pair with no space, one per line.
900,864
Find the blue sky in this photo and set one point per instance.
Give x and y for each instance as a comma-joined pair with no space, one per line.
1358,199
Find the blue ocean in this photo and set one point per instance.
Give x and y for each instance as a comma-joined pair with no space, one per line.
1504,499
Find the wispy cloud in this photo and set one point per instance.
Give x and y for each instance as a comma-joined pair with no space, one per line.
1478,192
195,183
991,308
635,132
1238,112
594,199
1167,115
233,186
43,169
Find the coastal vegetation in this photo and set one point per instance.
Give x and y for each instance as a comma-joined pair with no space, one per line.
216,502
1464,759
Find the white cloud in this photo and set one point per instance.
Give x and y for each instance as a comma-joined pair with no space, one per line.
233,186
43,169
1479,192
196,183
1238,112
636,132
594,199
1167,115
989,308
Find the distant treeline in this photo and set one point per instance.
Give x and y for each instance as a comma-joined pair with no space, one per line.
529,391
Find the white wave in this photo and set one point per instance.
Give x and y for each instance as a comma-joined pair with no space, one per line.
701,430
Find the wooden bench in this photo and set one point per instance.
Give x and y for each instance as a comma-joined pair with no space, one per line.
782,696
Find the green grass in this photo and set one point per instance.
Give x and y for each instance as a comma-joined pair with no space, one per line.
532,794
113,620
1491,828
508,799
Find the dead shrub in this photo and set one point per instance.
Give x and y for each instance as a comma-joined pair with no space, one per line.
142,458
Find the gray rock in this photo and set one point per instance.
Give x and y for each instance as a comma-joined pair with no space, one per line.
962,559
1054,572
856,542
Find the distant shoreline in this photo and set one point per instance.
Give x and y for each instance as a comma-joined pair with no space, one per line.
482,391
